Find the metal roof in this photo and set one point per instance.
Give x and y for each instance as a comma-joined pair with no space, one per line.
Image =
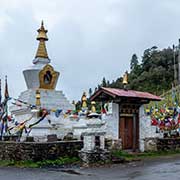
115,92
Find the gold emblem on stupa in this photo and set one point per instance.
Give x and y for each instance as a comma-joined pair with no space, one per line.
48,77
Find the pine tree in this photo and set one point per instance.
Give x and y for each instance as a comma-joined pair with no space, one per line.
90,92
104,83
134,61
108,83
95,89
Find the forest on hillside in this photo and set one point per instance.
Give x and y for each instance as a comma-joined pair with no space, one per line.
153,72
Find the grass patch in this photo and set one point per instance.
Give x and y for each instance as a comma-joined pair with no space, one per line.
133,156
46,163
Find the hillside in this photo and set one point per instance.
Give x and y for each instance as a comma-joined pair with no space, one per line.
153,72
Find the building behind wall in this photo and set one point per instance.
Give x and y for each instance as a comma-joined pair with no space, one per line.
127,121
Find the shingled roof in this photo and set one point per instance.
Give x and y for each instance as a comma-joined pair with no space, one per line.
120,93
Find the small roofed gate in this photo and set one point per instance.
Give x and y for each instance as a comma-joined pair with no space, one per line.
129,102
129,126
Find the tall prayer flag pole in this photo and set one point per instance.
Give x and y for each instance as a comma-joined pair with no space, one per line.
175,70
6,92
179,62
6,96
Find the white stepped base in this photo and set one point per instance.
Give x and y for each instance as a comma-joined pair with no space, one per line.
50,99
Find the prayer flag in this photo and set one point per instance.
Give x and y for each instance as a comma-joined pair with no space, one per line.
6,93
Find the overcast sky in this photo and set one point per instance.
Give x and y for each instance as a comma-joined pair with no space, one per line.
88,39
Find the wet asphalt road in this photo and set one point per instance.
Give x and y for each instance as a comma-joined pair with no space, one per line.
154,169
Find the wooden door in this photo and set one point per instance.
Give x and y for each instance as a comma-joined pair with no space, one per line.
126,132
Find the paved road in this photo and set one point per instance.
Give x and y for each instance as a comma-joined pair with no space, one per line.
156,169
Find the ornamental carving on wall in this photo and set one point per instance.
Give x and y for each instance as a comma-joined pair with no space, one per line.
48,77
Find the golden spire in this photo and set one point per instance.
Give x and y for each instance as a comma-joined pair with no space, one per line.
93,107
84,100
42,37
125,78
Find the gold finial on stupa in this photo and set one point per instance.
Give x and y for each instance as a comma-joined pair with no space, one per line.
38,98
125,78
42,37
84,100
93,108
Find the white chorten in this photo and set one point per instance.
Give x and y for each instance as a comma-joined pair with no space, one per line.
40,76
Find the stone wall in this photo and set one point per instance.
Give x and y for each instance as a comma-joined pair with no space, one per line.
150,144
36,151
168,144
89,157
161,144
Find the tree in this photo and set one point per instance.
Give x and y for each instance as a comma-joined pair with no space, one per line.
108,83
134,61
90,92
78,106
104,83
154,74
95,89
150,58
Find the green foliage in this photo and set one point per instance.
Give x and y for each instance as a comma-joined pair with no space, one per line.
90,92
134,156
167,99
104,83
57,162
120,153
134,62
31,164
154,74
78,106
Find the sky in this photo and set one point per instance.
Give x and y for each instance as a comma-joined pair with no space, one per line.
88,39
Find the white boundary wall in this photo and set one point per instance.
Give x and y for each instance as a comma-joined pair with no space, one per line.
112,122
145,128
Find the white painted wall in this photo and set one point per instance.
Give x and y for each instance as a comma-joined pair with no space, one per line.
112,122
145,128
